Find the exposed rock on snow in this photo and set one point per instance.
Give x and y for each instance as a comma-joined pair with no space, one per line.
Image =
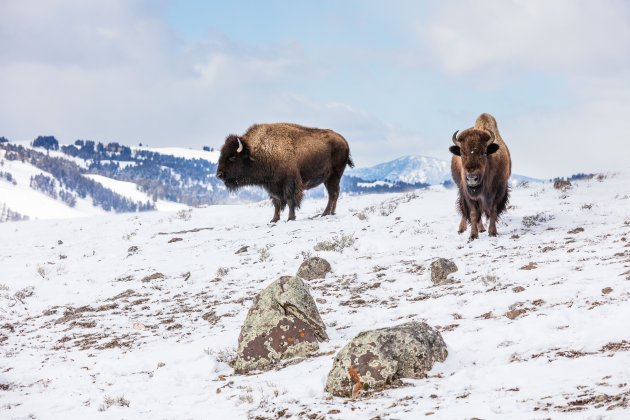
314,268
440,269
377,359
283,323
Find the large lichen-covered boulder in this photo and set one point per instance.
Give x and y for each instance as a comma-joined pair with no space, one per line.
283,323
314,268
377,359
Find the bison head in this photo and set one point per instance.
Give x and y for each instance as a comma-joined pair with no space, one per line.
473,146
234,162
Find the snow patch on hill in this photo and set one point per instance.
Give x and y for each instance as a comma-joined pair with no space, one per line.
212,157
409,169
130,190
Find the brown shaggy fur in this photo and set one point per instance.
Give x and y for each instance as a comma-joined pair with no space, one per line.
285,159
481,169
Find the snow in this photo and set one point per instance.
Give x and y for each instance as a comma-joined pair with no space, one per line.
409,169
212,157
130,191
34,204
72,345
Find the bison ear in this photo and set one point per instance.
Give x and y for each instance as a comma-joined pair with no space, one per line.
455,150
492,147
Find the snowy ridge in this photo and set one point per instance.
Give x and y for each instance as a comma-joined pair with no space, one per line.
409,169
138,315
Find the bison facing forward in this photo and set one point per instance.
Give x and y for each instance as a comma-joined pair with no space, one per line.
481,167
285,159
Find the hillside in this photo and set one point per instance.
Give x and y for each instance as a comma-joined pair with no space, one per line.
138,315
409,169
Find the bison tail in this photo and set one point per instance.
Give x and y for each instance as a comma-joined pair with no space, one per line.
350,163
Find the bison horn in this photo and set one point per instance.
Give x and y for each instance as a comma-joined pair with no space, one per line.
455,140
240,146
492,138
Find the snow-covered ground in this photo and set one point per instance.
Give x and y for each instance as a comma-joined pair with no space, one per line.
136,315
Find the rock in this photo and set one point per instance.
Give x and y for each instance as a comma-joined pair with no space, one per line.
314,268
377,359
154,276
440,269
283,323
242,249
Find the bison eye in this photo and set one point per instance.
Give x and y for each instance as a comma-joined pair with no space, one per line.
232,159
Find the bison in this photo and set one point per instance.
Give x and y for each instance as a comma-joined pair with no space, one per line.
285,159
481,167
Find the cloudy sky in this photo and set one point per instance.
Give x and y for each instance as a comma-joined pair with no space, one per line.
394,77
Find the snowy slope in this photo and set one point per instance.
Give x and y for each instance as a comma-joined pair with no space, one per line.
88,330
131,191
409,169
34,204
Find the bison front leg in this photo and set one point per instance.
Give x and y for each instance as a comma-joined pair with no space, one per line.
475,219
492,226
463,225
294,193
277,205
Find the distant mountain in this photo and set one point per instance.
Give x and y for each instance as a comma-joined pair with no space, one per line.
408,169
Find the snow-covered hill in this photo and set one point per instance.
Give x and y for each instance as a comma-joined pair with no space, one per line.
137,315
409,169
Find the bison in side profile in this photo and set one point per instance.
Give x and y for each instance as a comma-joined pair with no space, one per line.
285,159
481,167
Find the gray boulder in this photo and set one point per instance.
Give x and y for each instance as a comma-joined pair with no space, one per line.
440,270
314,268
283,323
377,359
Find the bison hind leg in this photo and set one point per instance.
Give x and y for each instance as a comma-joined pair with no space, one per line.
332,186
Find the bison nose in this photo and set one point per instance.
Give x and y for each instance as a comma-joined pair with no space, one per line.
472,180
220,174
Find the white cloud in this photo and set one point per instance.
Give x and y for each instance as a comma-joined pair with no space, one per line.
565,36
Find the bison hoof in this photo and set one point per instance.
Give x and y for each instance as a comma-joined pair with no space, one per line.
492,232
274,220
290,218
473,237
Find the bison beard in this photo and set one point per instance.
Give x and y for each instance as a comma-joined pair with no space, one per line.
481,167
285,159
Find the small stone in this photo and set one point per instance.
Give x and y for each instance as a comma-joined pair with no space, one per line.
242,249
529,266
515,313
606,290
154,276
576,230
314,268
518,289
174,240
440,270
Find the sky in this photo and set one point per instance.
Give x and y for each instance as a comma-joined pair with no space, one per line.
393,77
